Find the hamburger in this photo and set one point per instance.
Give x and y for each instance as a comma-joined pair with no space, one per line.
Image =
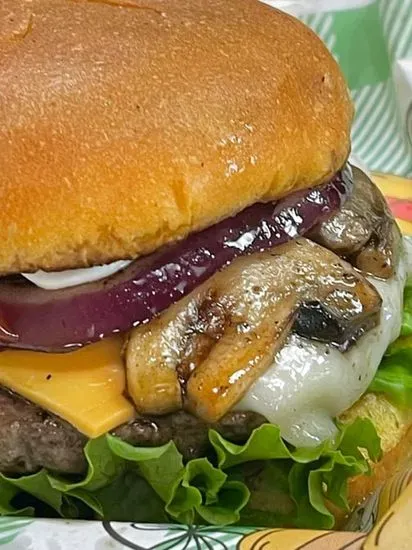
197,288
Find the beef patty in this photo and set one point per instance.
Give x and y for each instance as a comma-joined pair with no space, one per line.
32,438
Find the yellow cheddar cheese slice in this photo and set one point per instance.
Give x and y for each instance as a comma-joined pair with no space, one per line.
84,387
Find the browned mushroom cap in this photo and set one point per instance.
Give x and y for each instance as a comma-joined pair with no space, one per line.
216,342
161,355
363,231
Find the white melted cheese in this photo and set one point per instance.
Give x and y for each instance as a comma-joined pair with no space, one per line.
310,383
74,277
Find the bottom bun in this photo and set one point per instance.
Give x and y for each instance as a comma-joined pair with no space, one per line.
394,426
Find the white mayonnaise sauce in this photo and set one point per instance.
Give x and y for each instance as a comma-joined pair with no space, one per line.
74,277
311,383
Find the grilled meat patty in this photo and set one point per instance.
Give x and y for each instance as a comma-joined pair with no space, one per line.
33,438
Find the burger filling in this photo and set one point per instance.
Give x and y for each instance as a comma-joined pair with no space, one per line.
276,319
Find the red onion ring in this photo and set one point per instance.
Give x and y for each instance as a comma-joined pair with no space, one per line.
61,320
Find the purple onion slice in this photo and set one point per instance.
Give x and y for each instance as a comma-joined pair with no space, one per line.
61,320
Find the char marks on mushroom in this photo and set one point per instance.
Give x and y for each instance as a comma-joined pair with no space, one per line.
218,340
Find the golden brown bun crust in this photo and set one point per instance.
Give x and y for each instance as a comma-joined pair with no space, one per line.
361,487
391,463
127,124
394,426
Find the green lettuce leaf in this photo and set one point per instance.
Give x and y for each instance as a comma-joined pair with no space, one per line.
394,376
38,486
236,485
270,503
189,491
8,492
395,381
123,498
314,475
406,329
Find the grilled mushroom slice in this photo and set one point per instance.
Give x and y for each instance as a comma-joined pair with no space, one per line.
316,321
162,354
363,231
204,352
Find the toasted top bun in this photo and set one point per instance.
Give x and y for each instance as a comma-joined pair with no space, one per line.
127,124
